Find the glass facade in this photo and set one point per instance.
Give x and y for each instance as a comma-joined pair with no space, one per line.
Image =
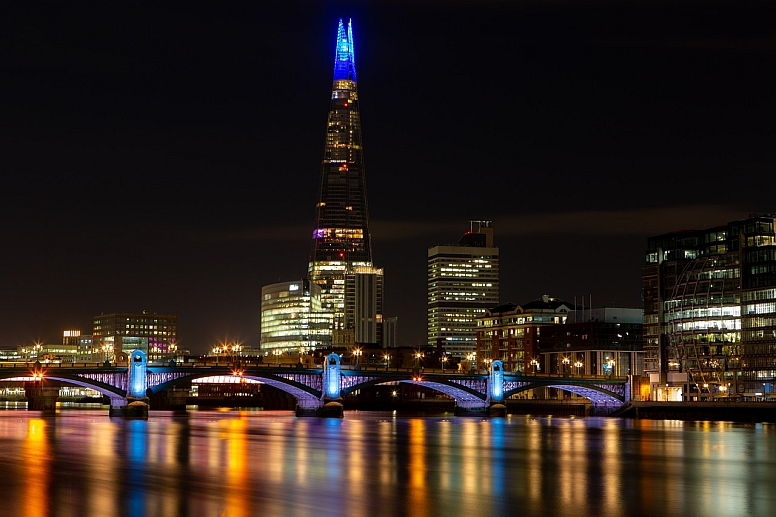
341,239
463,282
710,309
292,319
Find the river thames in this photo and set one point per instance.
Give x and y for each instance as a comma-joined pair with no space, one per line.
81,463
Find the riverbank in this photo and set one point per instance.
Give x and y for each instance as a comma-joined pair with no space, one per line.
714,411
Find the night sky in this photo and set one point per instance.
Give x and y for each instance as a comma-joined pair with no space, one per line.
167,158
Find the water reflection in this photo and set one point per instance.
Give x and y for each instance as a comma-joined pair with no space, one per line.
37,469
231,464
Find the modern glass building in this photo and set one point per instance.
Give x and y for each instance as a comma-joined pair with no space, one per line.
463,282
341,239
710,312
291,317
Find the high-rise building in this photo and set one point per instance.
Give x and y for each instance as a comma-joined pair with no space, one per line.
463,282
341,240
710,311
155,334
364,304
291,317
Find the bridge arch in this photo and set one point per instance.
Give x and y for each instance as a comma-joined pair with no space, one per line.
597,394
114,393
306,396
464,396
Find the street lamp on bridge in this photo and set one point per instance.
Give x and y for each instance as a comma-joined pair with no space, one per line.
578,365
357,353
387,359
535,365
418,356
566,361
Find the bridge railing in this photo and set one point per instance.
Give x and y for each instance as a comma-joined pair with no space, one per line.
8,364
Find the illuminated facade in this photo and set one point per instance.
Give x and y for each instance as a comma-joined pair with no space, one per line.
510,333
291,317
710,312
341,240
364,304
154,334
463,282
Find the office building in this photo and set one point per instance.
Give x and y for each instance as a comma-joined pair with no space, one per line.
341,240
364,304
463,282
292,319
153,333
710,312
601,341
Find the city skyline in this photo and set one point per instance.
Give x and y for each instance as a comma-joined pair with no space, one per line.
159,158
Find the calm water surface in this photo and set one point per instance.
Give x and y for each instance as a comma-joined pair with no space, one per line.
81,463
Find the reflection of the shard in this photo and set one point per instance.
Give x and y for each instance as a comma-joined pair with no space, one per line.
36,469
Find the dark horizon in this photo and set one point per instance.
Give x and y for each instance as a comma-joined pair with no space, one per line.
167,158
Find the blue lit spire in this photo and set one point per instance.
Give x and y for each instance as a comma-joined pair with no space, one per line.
344,60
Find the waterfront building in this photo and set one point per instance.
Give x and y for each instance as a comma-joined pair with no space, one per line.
341,242
292,318
710,311
510,333
153,333
85,351
603,341
463,282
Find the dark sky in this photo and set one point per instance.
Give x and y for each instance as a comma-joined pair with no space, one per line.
167,158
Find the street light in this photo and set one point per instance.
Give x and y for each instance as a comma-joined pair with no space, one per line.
277,353
357,352
387,359
535,365
418,357
578,364
444,360
566,361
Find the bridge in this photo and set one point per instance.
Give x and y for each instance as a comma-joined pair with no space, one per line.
317,390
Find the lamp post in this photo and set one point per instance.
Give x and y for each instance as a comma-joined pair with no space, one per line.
418,357
578,364
277,352
566,361
444,360
357,353
387,359
535,365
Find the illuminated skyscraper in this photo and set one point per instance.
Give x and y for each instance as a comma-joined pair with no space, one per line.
341,240
462,283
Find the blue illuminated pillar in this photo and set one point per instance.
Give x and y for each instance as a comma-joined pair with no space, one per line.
331,377
496,382
137,375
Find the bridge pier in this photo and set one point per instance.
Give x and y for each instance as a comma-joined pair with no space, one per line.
325,408
41,398
130,407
